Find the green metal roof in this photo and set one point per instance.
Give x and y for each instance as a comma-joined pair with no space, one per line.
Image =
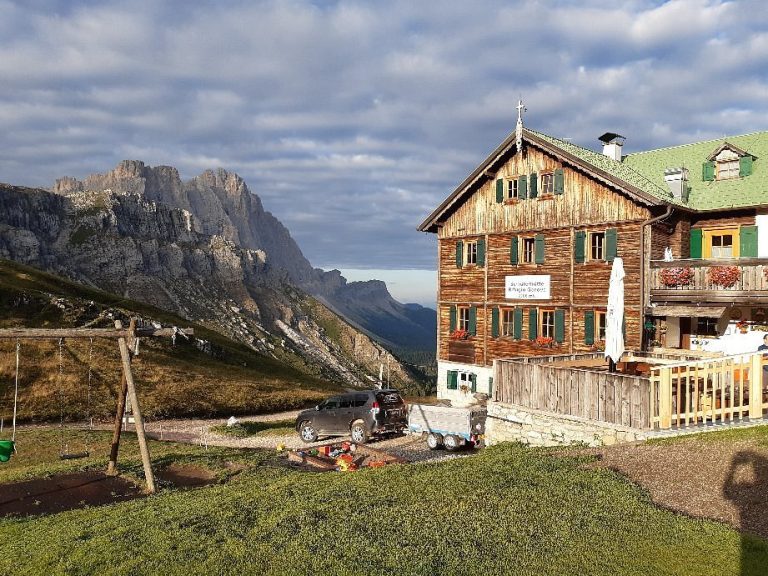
645,170
740,192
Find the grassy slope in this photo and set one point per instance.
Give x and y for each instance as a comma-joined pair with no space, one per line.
509,510
174,380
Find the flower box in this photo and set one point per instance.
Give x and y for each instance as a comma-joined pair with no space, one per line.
724,276
675,277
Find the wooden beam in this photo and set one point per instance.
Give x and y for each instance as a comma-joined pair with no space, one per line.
28,333
143,447
120,412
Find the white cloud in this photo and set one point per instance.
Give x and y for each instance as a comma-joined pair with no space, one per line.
354,120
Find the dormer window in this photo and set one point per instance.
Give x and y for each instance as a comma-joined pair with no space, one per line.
727,162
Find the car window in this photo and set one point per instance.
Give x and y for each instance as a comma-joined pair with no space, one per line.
389,398
330,404
345,403
360,400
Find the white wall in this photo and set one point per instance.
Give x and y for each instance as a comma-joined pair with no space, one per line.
762,235
457,397
673,332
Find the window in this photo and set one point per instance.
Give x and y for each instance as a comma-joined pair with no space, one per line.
721,243
470,252
597,246
728,169
529,250
600,324
547,324
463,319
508,322
512,190
548,183
706,327
722,246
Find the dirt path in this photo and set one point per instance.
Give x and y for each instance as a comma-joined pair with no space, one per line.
722,480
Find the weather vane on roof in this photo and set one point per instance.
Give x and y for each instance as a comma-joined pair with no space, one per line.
519,127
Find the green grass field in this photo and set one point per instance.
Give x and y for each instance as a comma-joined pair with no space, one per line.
507,510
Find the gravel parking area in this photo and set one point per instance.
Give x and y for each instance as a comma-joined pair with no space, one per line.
198,431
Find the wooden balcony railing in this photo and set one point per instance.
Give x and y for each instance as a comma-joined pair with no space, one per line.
751,280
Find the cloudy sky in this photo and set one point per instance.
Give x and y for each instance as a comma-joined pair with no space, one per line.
353,120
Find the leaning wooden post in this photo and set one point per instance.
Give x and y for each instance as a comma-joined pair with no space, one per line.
143,448
119,415
756,386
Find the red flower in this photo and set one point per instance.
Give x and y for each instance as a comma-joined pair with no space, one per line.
725,276
672,277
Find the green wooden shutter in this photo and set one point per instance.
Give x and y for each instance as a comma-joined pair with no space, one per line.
579,253
459,254
559,181
499,190
589,327
517,324
494,323
473,382
559,325
533,323
472,329
745,165
748,241
696,242
514,252
452,318
539,245
453,379
481,252
610,244
708,171
533,186
522,188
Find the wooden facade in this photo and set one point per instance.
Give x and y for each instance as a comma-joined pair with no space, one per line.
577,288
582,214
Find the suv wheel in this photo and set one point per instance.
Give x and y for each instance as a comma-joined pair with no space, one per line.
307,432
452,442
434,441
359,432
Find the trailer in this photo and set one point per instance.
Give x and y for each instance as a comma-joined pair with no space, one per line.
448,426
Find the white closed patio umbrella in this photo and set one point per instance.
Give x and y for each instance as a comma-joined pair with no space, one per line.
614,317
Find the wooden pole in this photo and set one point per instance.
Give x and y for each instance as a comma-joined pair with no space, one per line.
119,414
131,386
755,386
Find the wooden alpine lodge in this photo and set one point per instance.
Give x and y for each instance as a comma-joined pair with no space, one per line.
525,248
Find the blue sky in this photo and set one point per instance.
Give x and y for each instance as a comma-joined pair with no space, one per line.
353,120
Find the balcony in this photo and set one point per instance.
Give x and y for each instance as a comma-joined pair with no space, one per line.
743,281
461,351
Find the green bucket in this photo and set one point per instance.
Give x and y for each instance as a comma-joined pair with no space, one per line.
6,450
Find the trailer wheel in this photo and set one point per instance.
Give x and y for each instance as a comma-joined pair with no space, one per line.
452,442
434,441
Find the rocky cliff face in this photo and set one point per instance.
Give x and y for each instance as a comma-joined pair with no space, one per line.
220,204
199,249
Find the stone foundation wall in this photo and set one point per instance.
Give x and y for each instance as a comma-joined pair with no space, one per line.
509,423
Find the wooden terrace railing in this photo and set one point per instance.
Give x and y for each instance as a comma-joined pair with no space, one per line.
583,392
752,281
712,390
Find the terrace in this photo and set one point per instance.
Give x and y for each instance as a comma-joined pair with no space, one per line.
650,391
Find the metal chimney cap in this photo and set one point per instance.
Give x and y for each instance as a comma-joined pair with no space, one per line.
612,138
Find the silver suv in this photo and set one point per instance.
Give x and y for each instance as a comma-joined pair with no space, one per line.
361,414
